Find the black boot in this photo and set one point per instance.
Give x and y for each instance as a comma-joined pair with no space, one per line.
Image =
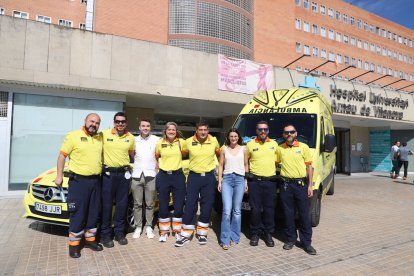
74,251
93,245
254,241
269,240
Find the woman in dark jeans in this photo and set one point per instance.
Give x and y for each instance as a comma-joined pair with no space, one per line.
403,158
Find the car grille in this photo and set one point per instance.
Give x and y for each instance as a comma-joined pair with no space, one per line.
38,191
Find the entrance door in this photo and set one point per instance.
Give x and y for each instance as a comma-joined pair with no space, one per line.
343,154
5,110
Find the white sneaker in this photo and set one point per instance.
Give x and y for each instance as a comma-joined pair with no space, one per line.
177,236
137,233
163,238
150,233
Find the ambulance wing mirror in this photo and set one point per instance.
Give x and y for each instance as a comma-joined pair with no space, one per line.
330,143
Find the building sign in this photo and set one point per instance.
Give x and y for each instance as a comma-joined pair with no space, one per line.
379,150
244,76
370,104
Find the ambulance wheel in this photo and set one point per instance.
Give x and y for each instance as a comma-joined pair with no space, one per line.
315,208
331,190
130,220
218,203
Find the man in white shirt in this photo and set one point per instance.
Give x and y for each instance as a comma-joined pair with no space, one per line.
394,160
143,178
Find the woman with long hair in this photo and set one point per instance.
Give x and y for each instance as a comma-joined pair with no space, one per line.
170,179
233,164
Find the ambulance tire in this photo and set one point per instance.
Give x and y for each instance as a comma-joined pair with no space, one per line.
315,208
130,221
331,190
218,203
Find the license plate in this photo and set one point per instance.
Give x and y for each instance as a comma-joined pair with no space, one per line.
245,206
50,209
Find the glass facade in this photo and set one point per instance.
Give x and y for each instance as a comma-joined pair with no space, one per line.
205,19
39,125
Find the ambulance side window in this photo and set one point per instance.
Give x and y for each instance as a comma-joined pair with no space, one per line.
322,135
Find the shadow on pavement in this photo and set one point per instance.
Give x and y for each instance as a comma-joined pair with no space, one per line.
59,230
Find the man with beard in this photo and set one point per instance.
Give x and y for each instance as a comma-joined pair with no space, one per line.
262,188
84,148
296,172
118,147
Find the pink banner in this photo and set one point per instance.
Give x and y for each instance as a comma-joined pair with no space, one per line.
244,76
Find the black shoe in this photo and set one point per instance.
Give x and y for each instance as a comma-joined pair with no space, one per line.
107,242
288,245
93,245
201,239
310,250
122,240
269,240
74,251
254,241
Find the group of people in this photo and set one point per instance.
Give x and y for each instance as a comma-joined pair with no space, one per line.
399,158
100,175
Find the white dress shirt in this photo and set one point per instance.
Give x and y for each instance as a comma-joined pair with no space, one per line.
144,160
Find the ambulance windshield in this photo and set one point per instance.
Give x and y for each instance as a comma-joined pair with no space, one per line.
305,125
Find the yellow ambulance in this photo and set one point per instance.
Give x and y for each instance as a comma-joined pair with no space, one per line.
306,108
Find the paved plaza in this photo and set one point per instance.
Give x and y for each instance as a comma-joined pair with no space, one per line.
367,227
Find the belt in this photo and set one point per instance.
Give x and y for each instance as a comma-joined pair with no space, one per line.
203,173
264,178
75,175
116,169
172,172
286,179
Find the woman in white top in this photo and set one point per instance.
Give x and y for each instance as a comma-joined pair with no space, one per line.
233,165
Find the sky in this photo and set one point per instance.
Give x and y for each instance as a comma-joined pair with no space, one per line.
399,11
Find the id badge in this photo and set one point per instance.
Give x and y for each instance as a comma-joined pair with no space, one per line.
127,175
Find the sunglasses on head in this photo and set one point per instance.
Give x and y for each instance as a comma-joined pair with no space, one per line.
289,132
120,121
263,129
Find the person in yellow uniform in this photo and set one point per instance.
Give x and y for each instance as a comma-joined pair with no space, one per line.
296,172
118,147
170,179
203,152
84,148
261,184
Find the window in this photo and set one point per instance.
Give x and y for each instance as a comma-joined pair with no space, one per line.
346,60
373,68
323,54
306,70
410,60
346,39
338,58
384,33
365,26
389,35
20,14
366,46
359,43
298,48
297,24
353,41
359,23
306,27
396,73
379,69
331,56
411,77
315,29
1,11
330,13
405,41
64,22
378,31
399,39
389,71
359,65
352,21
395,55
405,58
371,28
353,61
297,2
366,65
82,26
384,70
315,52
44,19
298,68
372,47
394,36
338,16
345,16
314,7
84,2
410,43
306,4
389,53
322,9
338,37
306,49
331,34
323,31
384,51
400,58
